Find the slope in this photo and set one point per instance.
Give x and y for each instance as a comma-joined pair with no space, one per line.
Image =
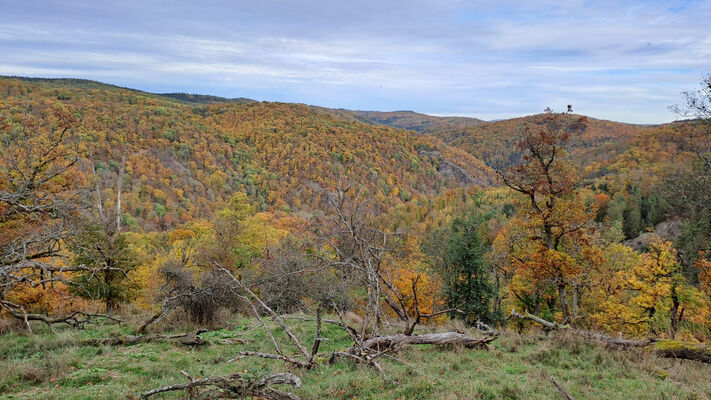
410,120
495,142
184,159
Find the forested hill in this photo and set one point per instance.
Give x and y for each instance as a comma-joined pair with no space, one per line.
183,158
422,123
495,142
206,99
186,154
491,142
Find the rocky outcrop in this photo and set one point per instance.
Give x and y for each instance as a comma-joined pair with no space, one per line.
450,170
447,168
666,230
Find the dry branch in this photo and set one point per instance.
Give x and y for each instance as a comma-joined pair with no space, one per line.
234,387
606,339
75,319
188,339
549,325
251,298
565,395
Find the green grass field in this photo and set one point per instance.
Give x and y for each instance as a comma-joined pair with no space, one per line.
52,366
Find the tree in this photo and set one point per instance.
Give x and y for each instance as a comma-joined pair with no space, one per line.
465,271
111,258
697,102
222,245
658,284
101,245
39,187
40,201
553,213
687,187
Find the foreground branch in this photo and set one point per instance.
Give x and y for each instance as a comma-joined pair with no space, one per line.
75,319
565,395
233,387
608,340
188,339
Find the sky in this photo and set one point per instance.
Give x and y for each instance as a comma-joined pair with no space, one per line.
619,60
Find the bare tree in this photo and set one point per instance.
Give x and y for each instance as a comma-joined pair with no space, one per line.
359,249
40,200
687,184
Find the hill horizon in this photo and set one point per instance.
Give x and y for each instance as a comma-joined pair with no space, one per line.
210,98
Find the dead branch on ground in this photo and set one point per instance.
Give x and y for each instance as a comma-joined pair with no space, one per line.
188,339
565,395
233,387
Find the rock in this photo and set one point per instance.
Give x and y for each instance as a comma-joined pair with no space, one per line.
451,170
667,230
430,154
446,168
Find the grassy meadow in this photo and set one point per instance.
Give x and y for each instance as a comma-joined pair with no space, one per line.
51,365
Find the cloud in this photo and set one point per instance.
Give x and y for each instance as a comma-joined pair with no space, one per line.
622,60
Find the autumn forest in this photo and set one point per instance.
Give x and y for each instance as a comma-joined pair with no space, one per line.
269,246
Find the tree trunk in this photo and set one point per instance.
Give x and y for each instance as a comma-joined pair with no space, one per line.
576,294
675,314
562,300
444,338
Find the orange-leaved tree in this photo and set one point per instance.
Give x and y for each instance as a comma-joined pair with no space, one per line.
551,213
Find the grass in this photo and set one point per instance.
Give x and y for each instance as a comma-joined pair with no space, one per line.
51,366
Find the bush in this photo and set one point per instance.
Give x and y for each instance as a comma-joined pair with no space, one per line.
201,297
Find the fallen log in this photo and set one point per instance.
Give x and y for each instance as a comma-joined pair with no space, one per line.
188,339
443,338
681,350
600,337
371,349
662,348
613,341
233,387
549,325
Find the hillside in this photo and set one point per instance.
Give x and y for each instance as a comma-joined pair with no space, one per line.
415,121
184,158
205,99
427,269
495,142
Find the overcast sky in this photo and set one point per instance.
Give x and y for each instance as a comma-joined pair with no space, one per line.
616,59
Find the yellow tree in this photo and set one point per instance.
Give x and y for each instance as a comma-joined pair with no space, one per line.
704,267
661,294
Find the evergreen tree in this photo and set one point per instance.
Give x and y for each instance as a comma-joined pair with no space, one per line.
465,270
632,214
